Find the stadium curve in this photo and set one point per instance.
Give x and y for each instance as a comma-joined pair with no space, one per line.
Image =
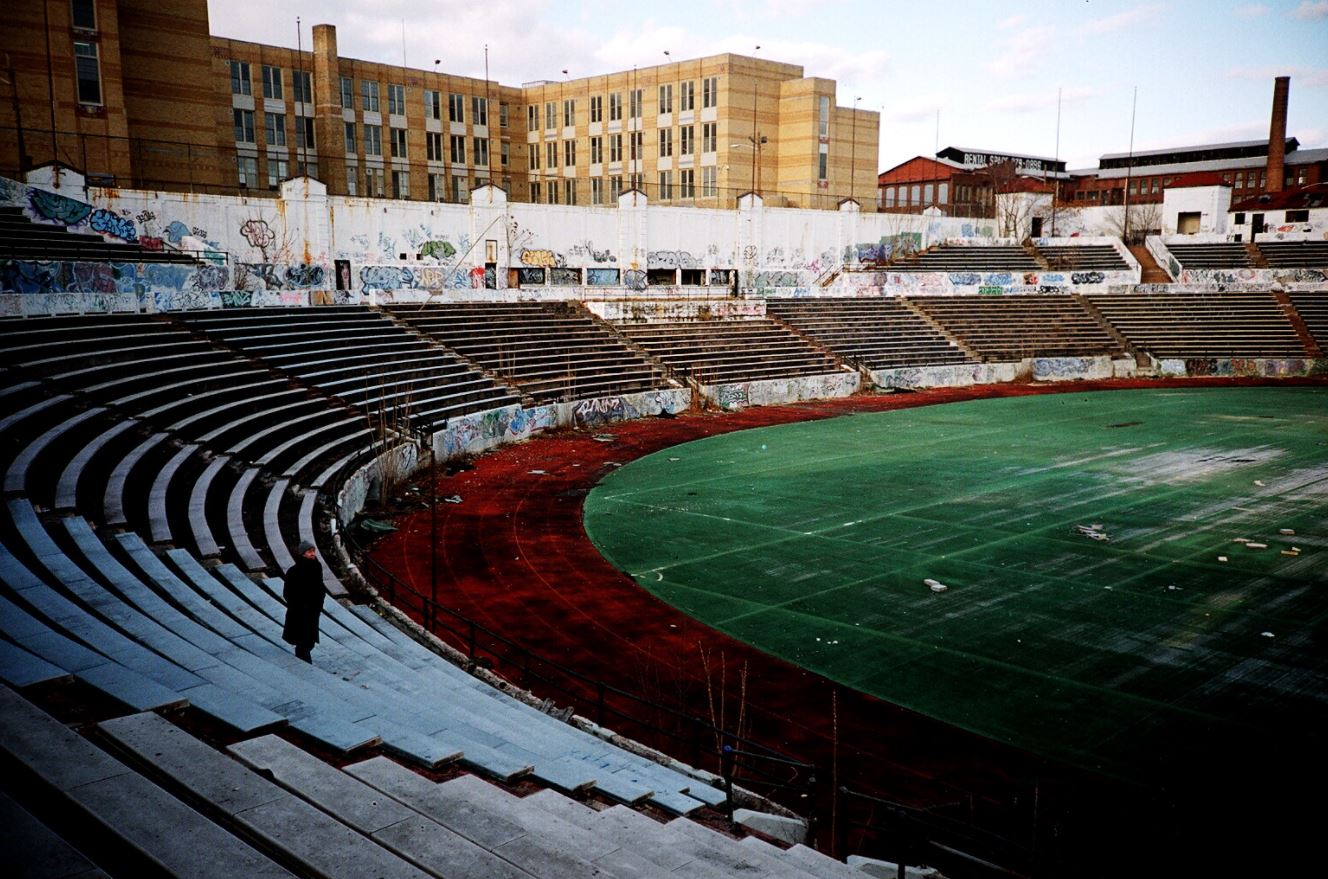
513,556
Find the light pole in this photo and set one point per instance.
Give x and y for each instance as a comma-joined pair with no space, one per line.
853,154
755,135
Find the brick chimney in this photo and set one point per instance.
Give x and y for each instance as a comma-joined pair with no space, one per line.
1277,134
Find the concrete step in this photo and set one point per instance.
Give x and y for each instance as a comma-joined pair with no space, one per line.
280,821
474,817
389,821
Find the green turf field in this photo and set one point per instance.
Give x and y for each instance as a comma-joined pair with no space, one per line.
812,541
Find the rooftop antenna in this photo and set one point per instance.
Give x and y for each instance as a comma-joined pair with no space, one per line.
299,49
936,144
403,42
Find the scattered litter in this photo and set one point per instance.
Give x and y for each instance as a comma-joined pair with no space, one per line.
1259,482
1092,531
1221,558
1287,531
675,459
377,527
452,499
614,464
1268,634
673,625
763,447
1241,540
1108,588
1290,552
935,585
1256,546
539,473
604,437
1295,549
1173,588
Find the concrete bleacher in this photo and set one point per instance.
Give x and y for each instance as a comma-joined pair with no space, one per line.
360,356
551,352
1092,257
22,239
1002,328
1189,325
724,351
1313,310
1216,255
1295,254
978,258
878,332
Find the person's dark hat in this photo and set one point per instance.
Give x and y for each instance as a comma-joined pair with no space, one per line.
305,547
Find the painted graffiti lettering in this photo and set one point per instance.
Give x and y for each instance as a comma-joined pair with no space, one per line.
541,258
110,223
258,233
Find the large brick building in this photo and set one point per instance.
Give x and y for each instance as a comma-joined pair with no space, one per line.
138,93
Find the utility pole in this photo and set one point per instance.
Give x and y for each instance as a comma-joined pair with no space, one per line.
1129,165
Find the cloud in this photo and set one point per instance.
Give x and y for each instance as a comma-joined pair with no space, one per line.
1038,101
1308,11
1304,77
1022,53
1252,10
1011,22
918,109
1232,133
1129,18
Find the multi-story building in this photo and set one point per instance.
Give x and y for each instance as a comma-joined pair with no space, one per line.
145,97
961,181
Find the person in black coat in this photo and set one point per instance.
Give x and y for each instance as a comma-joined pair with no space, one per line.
303,592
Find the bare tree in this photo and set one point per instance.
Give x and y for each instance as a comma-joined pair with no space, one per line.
1132,223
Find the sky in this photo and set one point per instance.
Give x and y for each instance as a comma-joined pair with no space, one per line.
963,73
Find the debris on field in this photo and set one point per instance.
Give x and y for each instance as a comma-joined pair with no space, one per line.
1259,482
1287,531
1094,532
604,437
1241,540
452,499
1256,546
539,473
1221,558
1268,634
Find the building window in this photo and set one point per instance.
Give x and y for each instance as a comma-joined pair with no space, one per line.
433,147
278,169
479,111
597,108
373,182
246,168
272,82
822,166
635,108
915,194
458,147
926,193
534,159
666,98
553,192
889,196
350,137
482,152
303,87
710,91
637,182
686,140
534,192
274,129
240,84
551,155
943,193
596,150
569,113
396,99
665,142
665,185
88,69
638,145
304,132
398,143
437,187
352,180
824,128
244,126
596,186
369,96
687,183
456,108
532,117
347,93
373,140
615,106
687,96
433,104
569,191
1300,216
569,153
615,147
504,148
83,15
615,187
709,137
400,184
550,115
502,115
709,184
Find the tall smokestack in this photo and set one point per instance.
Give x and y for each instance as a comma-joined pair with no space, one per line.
1277,134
